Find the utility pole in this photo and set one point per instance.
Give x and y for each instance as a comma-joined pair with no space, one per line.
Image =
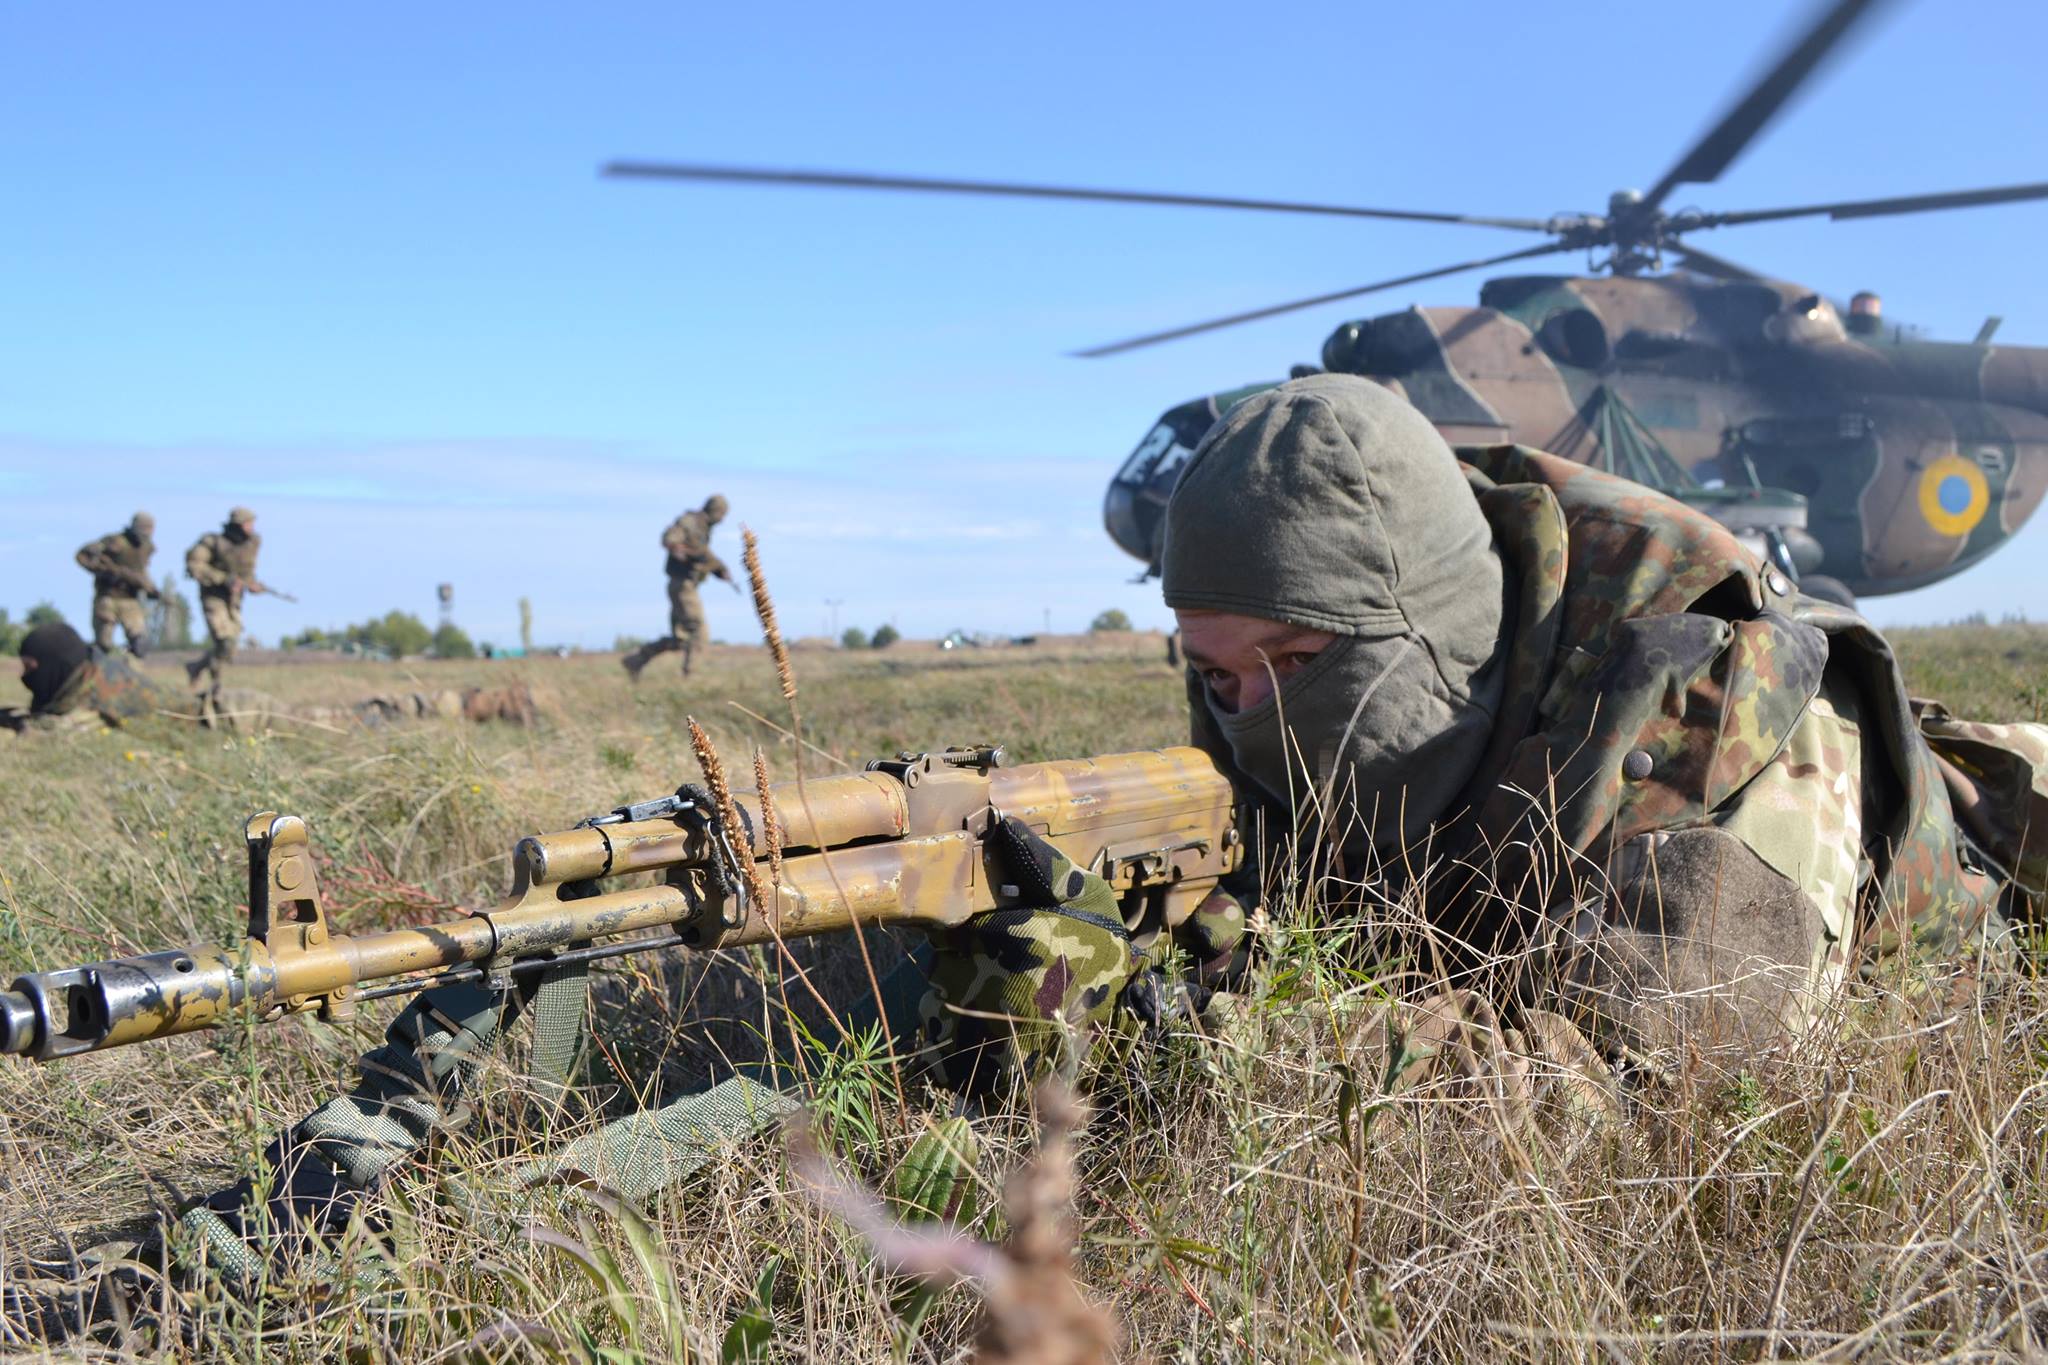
835,603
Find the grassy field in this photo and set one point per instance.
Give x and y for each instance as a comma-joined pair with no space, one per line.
1881,1192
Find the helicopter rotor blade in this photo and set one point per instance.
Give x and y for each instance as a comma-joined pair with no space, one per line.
1715,151
851,180
1154,338
1706,263
1878,208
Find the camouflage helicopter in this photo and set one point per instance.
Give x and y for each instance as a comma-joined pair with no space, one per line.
1856,456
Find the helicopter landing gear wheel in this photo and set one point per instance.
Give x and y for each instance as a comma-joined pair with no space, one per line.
1828,590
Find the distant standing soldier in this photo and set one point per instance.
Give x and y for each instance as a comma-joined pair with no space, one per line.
690,562
223,563
119,565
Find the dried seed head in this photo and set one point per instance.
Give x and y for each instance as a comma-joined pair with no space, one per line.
771,823
764,607
728,812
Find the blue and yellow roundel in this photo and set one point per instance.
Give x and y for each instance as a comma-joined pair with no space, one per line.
1953,495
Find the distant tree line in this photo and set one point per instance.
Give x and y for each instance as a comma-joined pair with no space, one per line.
11,631
853,637
395,635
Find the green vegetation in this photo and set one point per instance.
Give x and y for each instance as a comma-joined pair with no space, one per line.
42,613
395,634
170,616
452,642
884,636
1113,619
853,637
1258,1195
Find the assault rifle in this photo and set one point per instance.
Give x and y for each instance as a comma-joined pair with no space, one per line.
243,585
900,843
103,566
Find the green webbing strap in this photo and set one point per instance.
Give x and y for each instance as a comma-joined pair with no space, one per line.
410,1087
644,1153
558,1004
219,1246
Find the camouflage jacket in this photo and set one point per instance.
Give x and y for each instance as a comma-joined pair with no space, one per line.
688,542
1657,672
105,690
119,566
215,563
1657,677
109,691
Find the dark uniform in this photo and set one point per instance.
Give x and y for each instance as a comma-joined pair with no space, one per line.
119,565
690,562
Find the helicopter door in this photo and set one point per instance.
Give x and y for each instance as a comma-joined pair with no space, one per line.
1828,460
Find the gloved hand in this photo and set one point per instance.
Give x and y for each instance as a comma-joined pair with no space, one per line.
1213,937
1010,988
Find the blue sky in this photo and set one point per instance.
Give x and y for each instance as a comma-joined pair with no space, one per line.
354,266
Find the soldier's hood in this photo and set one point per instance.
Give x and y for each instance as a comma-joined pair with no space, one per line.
58,653
1332,504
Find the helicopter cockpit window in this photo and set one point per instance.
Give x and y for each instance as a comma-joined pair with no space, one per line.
1575,336
1807,318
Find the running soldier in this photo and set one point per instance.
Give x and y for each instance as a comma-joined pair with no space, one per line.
119,565
223,563
690,562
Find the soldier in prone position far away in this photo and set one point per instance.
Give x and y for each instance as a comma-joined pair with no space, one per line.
76,688
690,562
119,565
223,563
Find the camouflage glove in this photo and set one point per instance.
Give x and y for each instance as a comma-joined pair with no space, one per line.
1009,988
1214,939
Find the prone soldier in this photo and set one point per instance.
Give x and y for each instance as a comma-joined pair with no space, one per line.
74,688
690,562
119,565
223,563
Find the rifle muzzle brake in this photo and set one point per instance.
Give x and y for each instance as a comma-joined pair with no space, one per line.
81,1009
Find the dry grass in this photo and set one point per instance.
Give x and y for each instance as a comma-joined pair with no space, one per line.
1881,1192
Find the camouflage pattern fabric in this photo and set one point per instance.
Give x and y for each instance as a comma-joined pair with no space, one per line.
221,565
1660,679
1997,779
1657,672
1013,989
690,562
685,611
1662,674
126,613
103,692
688,542
119,565
1212,933
108,691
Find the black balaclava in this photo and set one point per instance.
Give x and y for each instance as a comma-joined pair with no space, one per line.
58,653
